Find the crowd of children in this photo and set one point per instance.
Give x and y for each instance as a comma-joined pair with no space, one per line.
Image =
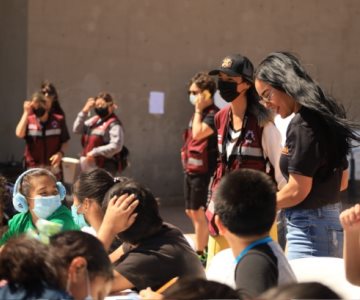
112,237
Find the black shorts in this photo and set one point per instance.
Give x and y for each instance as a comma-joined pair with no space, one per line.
196,191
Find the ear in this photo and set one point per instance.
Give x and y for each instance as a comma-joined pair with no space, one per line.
77,269
220,225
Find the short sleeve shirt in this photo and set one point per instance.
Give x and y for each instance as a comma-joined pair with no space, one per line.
305,154
158,259
257,271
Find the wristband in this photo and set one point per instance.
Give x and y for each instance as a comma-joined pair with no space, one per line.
198,112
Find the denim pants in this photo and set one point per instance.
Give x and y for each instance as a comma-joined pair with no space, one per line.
314,232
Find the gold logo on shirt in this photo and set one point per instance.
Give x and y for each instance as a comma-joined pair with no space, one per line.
227,63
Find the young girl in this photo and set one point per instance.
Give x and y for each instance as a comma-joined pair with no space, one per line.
37,195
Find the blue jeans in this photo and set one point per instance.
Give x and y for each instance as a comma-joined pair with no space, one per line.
314,232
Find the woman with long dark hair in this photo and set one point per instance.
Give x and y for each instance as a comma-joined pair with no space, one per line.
314,157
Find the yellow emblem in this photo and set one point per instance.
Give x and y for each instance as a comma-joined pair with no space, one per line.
227,63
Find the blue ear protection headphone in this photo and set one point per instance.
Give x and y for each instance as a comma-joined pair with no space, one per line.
19,200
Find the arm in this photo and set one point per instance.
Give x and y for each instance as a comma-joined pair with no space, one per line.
118,217
22,125
350,221
114,146
295,191
201,129
116,254
271,143
78,125
120,283
344,180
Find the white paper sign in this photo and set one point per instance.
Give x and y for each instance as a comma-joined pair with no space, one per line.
156,102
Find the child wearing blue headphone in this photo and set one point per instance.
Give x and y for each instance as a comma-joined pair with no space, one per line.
37,195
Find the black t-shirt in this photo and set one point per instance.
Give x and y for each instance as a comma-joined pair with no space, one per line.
158,259
257,271
306,152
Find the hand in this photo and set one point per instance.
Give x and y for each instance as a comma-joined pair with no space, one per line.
201,102
119,214
89,105
350,218
27,107
56,159
150,294
90,159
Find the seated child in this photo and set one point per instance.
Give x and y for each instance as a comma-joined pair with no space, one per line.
250,196
37,195
152,252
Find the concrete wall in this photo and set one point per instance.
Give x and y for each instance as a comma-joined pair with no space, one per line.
130,48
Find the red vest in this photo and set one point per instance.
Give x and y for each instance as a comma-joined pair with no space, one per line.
93,136
195,153
249,153
43,142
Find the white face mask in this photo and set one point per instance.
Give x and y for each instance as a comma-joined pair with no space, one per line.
45,206
192,99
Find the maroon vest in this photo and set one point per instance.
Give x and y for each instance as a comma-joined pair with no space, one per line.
42,142
249,153
93,136
195,153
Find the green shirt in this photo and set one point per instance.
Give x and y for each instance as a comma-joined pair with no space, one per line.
22,222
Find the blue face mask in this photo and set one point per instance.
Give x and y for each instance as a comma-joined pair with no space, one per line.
46,206
78,218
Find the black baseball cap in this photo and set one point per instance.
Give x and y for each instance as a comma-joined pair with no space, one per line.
236,65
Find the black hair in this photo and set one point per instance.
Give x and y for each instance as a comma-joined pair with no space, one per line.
300,290
27,263
245,202
199,288
148,221
204,82
49,88
67,245
283,71
93,184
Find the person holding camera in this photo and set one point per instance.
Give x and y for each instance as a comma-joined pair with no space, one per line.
102,135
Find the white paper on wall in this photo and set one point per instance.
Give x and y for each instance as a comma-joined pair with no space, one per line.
156,102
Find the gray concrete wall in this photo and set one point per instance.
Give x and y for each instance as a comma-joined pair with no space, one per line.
130,48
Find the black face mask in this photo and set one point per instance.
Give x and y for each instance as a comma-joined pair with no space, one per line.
39,112
228,90
102,111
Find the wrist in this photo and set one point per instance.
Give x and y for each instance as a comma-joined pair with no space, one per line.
61,152
198,111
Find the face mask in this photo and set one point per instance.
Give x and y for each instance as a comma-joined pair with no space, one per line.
228,90
39,112
78,218
192,99
102,111
45,206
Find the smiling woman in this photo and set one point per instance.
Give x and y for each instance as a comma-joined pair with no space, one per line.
314,157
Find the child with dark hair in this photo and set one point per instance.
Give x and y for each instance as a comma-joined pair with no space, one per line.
153,252
87,270
190,288
250,196
301,290
30,271
38,195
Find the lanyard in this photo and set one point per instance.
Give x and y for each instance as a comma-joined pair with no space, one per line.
262,241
